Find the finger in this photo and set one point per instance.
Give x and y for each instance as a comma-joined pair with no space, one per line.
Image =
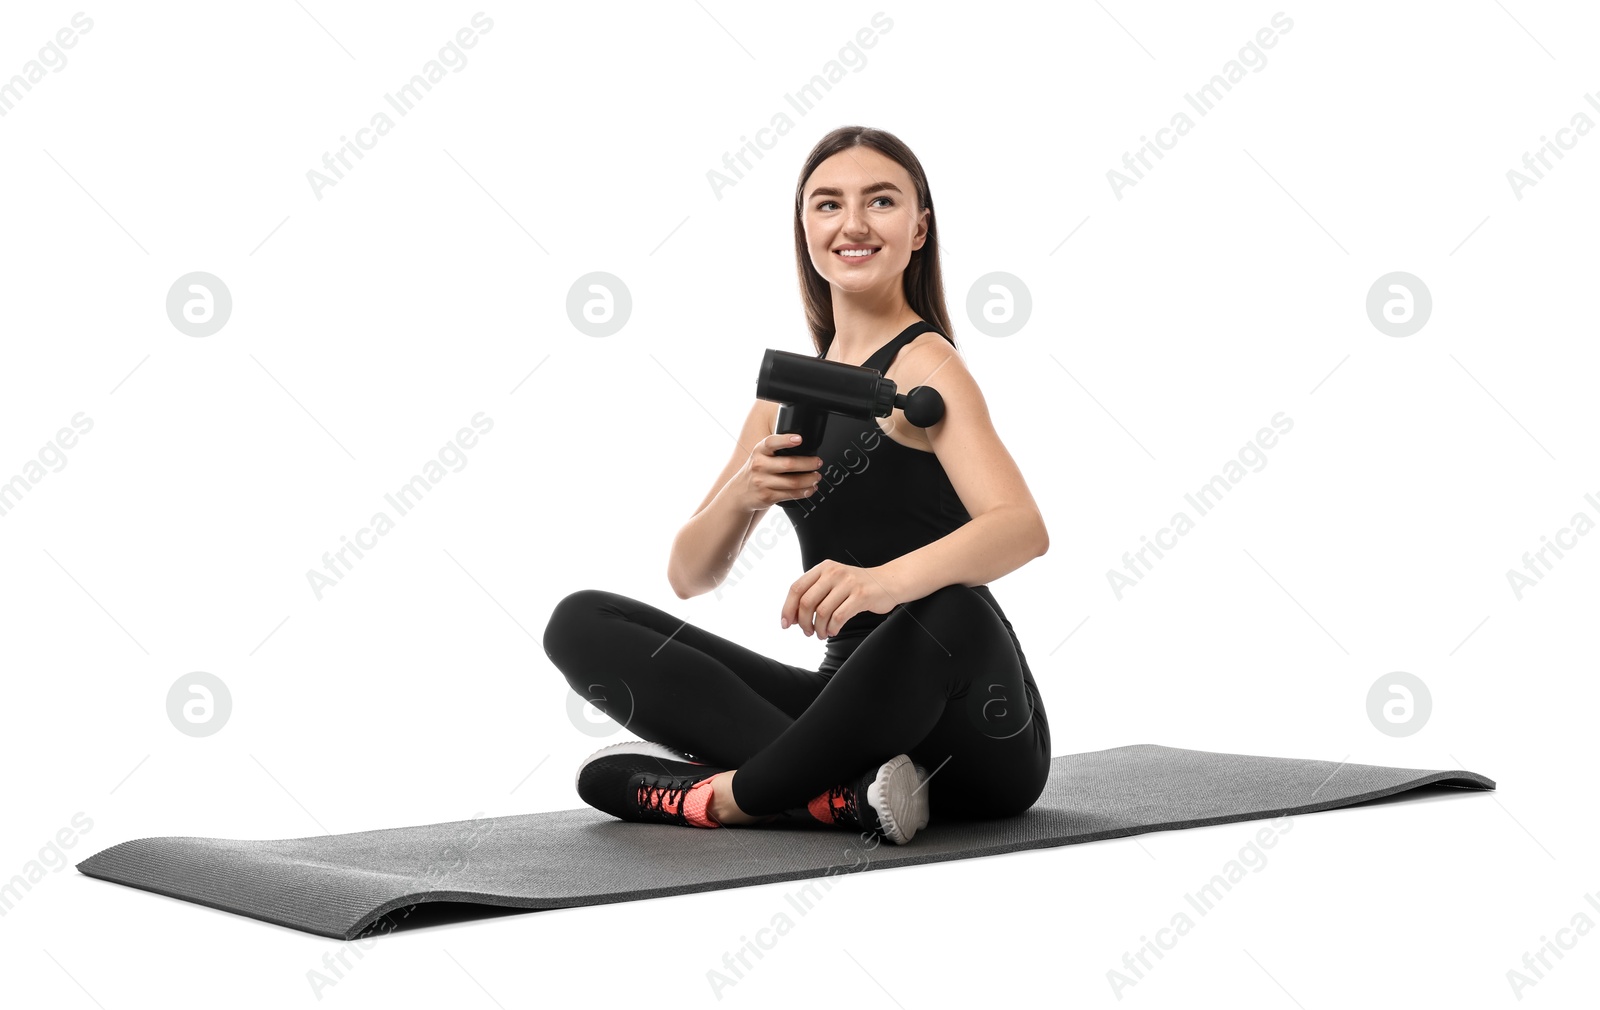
796,464
809,601
834,611
772,443
819,601
796,480
790,614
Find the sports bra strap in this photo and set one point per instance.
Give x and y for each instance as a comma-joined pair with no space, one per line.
882,356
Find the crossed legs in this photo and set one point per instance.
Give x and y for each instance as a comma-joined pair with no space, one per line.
941,679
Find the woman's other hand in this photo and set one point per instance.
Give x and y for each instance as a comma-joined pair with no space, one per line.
828,595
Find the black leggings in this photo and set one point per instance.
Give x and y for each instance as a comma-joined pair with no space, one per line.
942,679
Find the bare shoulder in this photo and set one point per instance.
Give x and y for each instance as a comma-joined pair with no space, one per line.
929,358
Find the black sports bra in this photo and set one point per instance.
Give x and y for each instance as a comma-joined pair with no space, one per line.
878,498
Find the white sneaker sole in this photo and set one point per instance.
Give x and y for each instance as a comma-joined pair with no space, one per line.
900,798
631,747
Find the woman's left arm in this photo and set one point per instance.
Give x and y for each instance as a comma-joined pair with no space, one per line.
1006,530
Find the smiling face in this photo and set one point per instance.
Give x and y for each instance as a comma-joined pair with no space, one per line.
861,220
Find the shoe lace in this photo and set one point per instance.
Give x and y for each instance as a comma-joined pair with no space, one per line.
842,804
655,797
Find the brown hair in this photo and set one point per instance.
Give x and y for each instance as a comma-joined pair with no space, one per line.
922,281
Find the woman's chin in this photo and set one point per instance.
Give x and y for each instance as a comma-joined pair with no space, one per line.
856,284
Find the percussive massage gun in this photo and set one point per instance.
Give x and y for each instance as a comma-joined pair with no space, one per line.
808,389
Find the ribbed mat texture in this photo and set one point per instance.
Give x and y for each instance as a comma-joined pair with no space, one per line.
337,885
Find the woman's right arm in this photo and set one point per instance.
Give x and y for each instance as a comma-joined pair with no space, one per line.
705,548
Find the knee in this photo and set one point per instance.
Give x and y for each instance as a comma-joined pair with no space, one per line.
1018,799
571,623
1029,795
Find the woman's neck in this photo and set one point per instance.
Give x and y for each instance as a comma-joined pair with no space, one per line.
861,331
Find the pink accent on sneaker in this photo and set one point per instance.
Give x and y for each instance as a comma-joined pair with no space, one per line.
820,808
697,804
827,806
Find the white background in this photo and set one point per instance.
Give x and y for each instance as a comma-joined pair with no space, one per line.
368,326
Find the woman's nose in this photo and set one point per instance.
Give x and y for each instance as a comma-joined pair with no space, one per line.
854,221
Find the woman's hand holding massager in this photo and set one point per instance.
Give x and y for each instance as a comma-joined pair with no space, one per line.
767,479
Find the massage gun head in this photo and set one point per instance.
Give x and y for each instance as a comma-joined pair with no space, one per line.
923,405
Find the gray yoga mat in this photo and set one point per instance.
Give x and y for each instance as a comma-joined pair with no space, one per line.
338,885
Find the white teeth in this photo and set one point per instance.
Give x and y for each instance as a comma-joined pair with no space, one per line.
857,252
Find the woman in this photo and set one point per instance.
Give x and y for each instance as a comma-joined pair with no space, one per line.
923,689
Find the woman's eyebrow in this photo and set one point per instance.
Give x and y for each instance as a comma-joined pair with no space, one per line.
831,191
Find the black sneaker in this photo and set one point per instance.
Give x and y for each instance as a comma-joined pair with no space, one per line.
891,799
637,780
645,747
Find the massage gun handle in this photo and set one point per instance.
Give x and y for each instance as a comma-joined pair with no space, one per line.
807,422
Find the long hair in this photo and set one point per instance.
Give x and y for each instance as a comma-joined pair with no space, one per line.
922,281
